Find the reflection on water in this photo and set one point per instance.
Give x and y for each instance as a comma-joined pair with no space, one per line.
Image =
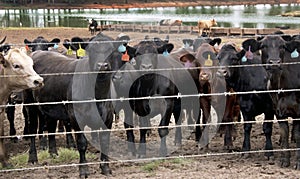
248,16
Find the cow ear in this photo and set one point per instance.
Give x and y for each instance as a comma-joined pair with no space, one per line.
259,38
55,40
3,61
27,42
131,51
3,40
292,45
166,47
215,41
241,54
188,42
286,37
252,43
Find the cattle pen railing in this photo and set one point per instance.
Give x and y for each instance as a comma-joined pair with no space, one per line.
215,31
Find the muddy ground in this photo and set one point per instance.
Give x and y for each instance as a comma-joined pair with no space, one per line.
219,164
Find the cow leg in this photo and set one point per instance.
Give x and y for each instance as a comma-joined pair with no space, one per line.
33,124
26,121
178,121
52,125
3,156
81,147
205,105
267,128
128,123
198,132
104,142
10,113
284,144
143,132
228,143
296,127
69,136
42,129
163,132
247,133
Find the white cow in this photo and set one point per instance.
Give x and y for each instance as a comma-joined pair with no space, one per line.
16,74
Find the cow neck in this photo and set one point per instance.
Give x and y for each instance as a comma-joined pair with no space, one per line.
5,91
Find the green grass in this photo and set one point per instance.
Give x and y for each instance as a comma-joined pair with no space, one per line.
172,163
64,156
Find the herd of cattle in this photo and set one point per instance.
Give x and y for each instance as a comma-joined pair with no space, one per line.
150,68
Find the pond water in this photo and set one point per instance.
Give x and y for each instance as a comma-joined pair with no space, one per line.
250,16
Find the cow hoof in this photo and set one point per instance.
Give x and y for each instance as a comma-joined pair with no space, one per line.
83,171
284,162
246,155
297,167
105,170
269,156
229,148
141,156
6,165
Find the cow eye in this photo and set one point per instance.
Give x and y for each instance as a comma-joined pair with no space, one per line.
16,66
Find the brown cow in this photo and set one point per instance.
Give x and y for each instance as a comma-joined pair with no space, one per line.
206,25
16,74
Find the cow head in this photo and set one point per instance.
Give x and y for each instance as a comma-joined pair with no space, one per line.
206,56
229,56
196,43
40,43
103,53
19,66
145,53
275,49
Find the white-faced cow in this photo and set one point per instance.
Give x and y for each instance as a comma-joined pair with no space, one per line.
16,70
102,56
277,51
206,25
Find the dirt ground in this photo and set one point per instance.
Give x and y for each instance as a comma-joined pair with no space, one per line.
220,165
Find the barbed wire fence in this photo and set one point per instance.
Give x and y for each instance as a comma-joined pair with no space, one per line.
140,160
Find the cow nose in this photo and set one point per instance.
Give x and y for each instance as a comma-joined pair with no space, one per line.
117,77
38,82
204,76
275,61
222,72
103,66
146,66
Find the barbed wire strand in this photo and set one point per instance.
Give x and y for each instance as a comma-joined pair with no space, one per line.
151,127
140,160
179,95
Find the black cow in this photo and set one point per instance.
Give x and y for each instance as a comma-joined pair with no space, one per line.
243,79
148,55
101,57
40,43
276,51
93,24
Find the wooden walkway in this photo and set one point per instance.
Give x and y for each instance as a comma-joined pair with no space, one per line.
215,31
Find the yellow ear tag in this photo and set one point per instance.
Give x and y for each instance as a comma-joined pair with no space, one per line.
125,57
69,51
80,52
208,62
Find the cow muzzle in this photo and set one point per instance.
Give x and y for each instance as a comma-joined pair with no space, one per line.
204,76
222,72
103,66
38,82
